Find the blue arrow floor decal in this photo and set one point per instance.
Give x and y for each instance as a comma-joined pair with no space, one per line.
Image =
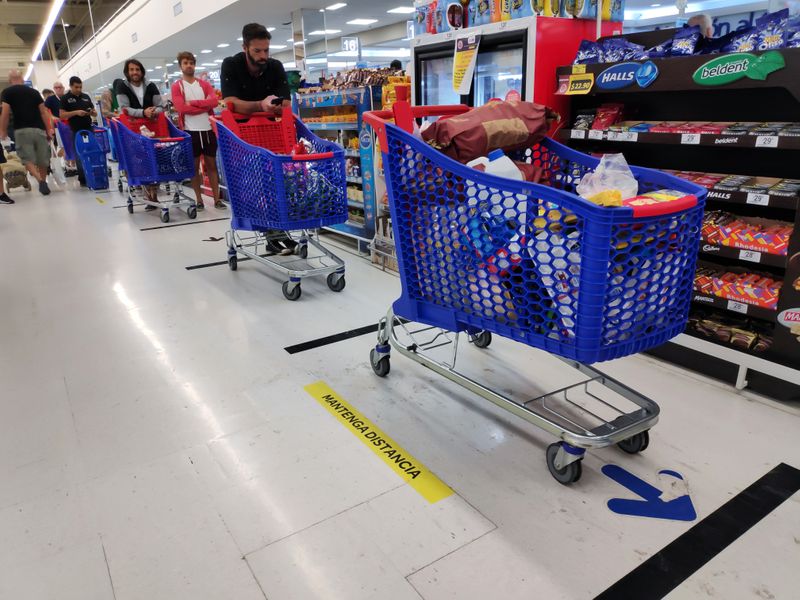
651,504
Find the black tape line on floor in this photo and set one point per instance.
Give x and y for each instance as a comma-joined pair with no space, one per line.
187,223
668,568
126,206
332,339
217,263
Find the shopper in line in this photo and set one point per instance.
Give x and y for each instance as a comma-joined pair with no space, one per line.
705,23
4,199
251,80
33,127
194,100
140,99
78,109
254,82
53,103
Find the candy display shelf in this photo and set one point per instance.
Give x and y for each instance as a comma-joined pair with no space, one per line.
320,111
742,88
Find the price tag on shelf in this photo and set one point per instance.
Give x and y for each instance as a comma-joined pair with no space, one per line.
739,307
595,134
578,134
623,136
766,141
690,138
758,199
750,255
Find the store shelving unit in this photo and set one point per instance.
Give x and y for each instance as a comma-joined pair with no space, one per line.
676,95
361,201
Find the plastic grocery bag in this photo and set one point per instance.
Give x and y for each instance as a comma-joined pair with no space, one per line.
611,174
55,166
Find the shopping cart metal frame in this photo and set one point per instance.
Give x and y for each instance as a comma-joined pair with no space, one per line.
273,147
578,425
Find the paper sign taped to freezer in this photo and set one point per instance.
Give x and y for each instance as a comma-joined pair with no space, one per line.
464,62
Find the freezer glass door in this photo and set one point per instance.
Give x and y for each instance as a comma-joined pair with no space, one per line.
496,73
436,82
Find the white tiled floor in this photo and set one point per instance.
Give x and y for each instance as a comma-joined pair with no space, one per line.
156,441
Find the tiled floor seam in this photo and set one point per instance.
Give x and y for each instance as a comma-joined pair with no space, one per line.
108,568
341,512
454,550
250,568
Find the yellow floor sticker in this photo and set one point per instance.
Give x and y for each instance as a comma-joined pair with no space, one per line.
401,462
99,199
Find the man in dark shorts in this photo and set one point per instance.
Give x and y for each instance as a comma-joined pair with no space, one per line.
4,199
254,82
194,100
33,127
78,109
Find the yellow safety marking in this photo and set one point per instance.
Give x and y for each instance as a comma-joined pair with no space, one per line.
99,199
401,462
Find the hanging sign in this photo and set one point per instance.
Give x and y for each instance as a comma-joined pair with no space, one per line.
350,45
464,62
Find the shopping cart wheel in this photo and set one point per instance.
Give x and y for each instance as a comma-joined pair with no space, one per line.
292,294
130,207
302,251
119,186
191,212
565,475
336,282
483,339
165,216
381,366
636,443
233,262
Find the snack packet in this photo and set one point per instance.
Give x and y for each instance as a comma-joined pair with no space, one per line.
770,30
744,41
685,41
584,119
661,50
589,53
791,33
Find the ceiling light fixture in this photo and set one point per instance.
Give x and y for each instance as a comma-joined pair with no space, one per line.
55,8
270,29
336,6
240,39
362,21
277,46
206,51
223,45
219,60
402,10
325,31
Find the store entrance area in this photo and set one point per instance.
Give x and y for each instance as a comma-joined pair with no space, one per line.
172,450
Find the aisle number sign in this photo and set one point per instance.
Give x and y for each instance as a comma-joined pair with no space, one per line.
464,62
350,45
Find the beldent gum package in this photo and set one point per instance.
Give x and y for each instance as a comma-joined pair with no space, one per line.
684,41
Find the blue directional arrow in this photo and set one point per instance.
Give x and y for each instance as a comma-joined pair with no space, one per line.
651,505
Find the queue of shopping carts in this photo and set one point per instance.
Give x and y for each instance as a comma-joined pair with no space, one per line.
154,153
482,255
91,149
281,192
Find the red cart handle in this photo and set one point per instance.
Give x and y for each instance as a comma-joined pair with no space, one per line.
318,156
404,114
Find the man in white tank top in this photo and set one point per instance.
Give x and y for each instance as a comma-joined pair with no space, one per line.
195,100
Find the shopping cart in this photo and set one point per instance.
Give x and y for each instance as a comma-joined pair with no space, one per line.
277,194
93,159
482,255
149,161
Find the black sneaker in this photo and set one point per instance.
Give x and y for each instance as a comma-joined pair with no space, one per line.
273,248
4,199
43,189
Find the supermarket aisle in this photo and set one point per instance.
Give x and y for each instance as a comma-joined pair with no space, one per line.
153,432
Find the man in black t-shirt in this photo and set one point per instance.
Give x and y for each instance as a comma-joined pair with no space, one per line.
78,109
251,80
254,82
33,127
